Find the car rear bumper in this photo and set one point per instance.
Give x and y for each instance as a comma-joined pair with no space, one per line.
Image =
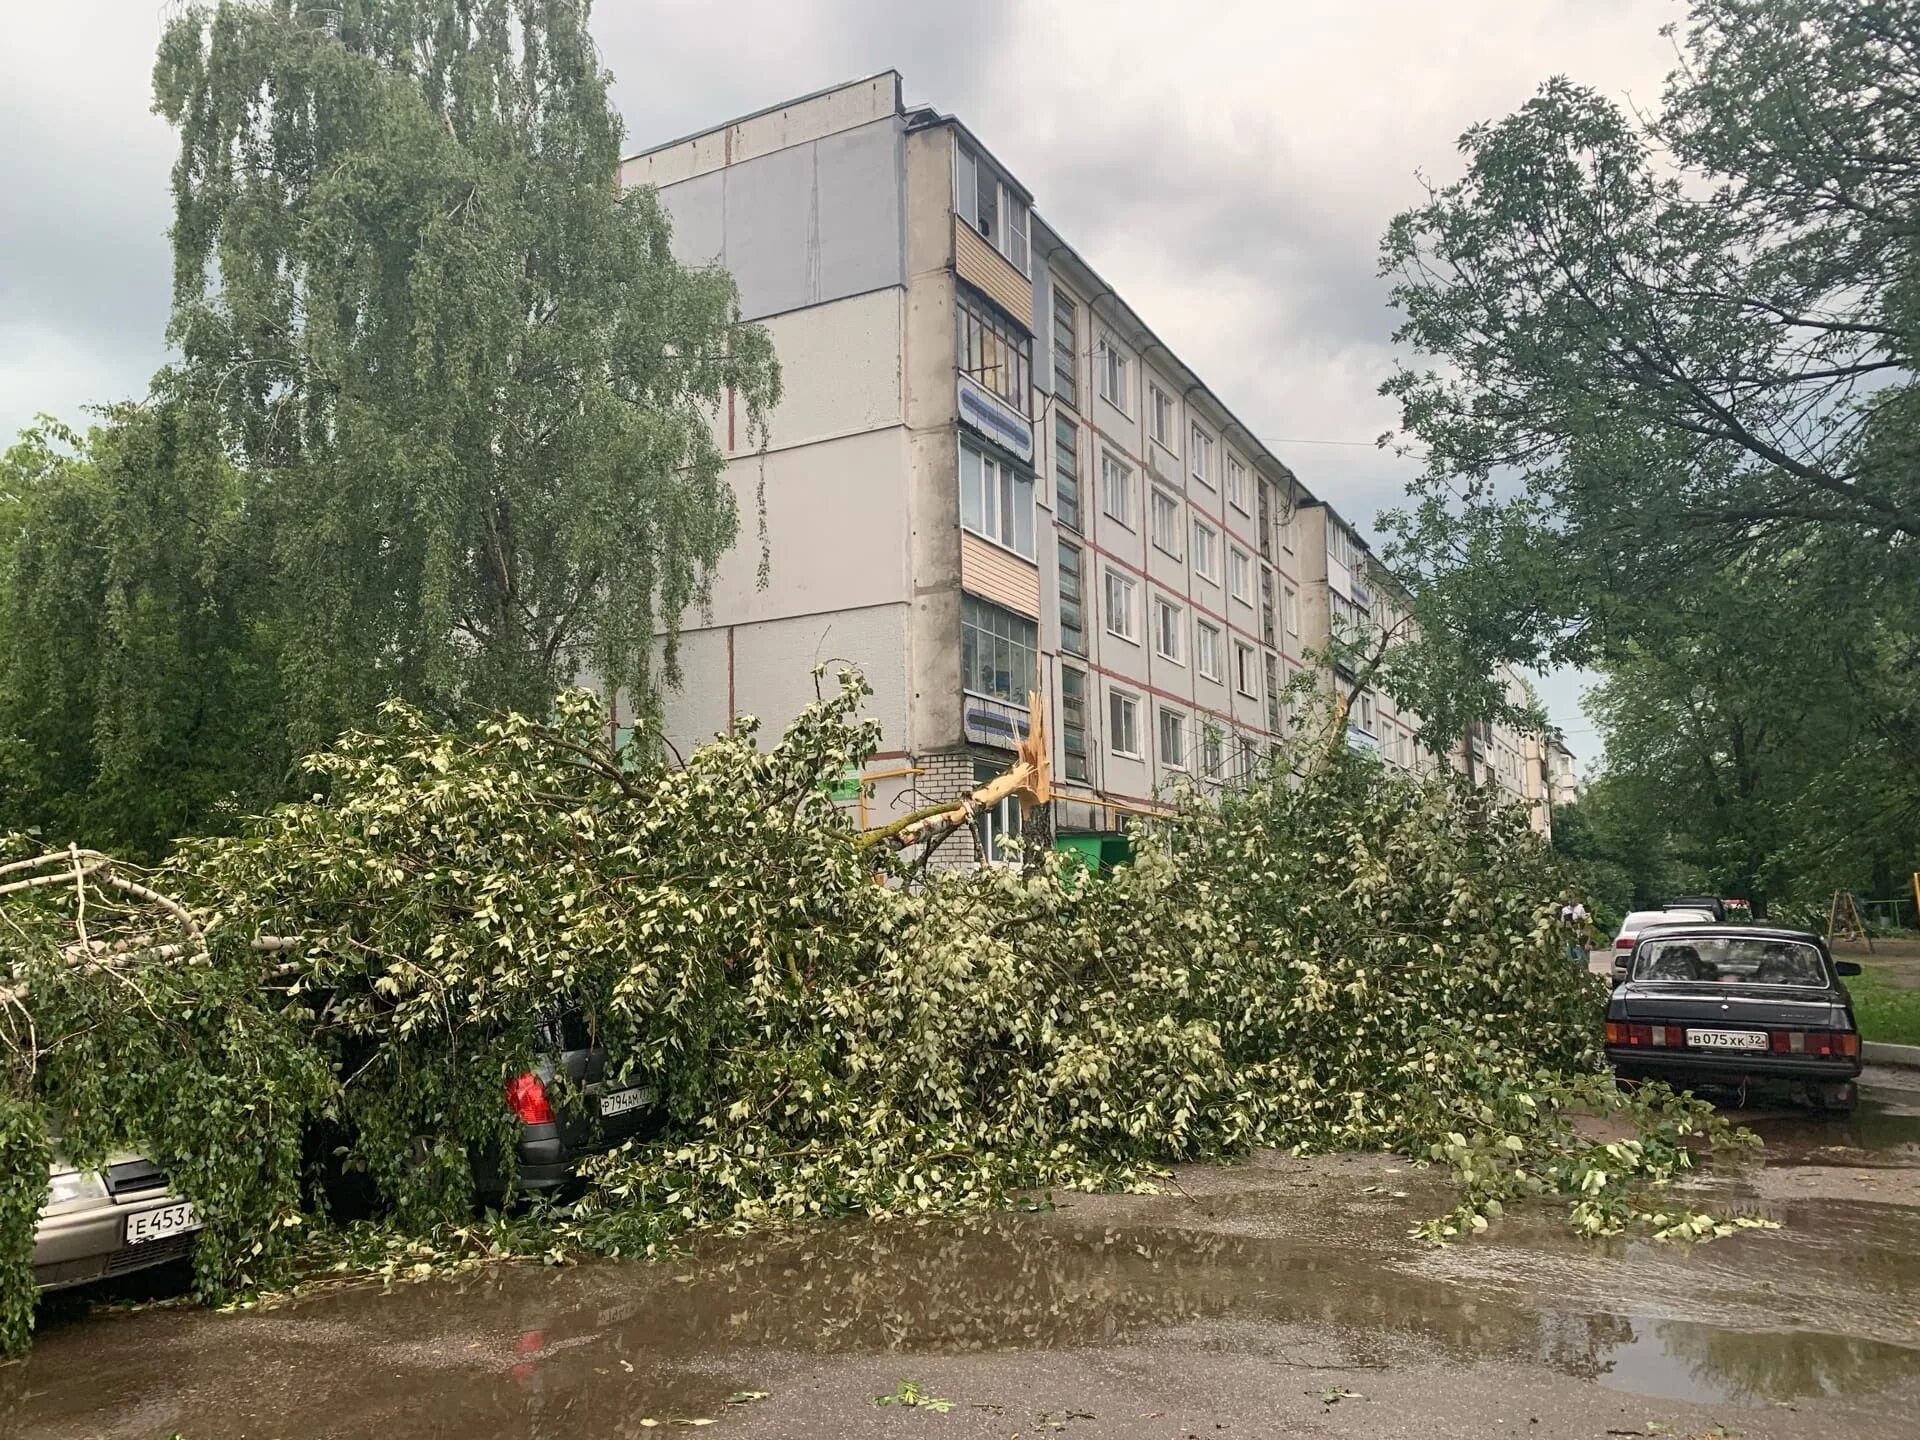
91,1244
1636,1063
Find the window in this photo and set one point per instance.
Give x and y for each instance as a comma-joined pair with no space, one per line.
1273,695
1116,490
1290,609
1073,721
1159,415
1167,630
1206,650
1213,751
999,824
1173,740
1363,711
1112,368
1165,521
1240,574
1066,471
1123,723
994,351
997,650
1237,484
1120,619
1066,349
1073,620
1206,551
1265,521
990,207
1200,457
996,501
1246,672
1267,608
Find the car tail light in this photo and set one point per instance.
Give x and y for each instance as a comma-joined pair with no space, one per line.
1824,1044
1625,942
527,1098
1620,1034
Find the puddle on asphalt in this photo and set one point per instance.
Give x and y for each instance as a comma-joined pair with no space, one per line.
1883,1131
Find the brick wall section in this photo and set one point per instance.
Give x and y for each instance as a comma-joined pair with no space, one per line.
948,777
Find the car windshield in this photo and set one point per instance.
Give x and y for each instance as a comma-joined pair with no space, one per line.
1730,960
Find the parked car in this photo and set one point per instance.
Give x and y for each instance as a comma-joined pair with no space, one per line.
1737,1006
1715,907
554,1137
1639,920
111,1221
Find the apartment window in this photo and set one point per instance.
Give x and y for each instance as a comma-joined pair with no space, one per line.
1364,709
1290,609
997,651
1066,349
1200,457
1160,415
1112,367
1123,723
1206,551
1173,740
1246,669
1066,471
1265,491
1267,612
998,826
1165,520
1237,485
996,501
1240,574
994,351
1167,629
990,207
1274,718
1116,490
1213,749
1073,721
1120,597
1073,621
1206,650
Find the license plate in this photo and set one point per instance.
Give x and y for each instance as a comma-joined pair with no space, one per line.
159,1224
1727,1039
619,1102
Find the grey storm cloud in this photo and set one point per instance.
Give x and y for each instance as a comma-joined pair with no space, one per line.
1228,164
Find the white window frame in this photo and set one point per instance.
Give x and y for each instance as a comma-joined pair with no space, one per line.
1289,609
1111,364
1162,715
1200,455
1206,556
1111,466
1162,631
1213,752
1240,574
1246,661
1161,501
1120,604
1160,415
996,479
1207,658
1119,702
1237,486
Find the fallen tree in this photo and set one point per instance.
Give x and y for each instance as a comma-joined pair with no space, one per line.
1342,959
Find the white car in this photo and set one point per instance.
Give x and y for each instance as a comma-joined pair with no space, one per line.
1639,920
98,1223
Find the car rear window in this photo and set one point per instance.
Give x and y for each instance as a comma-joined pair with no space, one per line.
1730,960
1646,919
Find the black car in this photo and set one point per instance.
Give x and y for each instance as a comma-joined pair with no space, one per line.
1739,1006
554,1134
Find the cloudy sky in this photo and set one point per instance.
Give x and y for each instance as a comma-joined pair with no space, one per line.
1229,166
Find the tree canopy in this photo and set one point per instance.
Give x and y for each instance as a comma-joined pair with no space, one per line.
1663,382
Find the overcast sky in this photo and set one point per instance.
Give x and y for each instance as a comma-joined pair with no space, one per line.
1228,166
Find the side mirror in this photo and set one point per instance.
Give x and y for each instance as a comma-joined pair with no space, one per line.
1846,967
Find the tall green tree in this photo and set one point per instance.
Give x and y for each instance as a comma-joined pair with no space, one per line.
1651,354
416,305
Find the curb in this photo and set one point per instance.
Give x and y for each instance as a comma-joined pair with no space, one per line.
1905,1056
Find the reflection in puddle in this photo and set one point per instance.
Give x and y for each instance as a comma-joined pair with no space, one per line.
1684,1360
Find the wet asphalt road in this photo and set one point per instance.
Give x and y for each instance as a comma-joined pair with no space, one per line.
1243,1306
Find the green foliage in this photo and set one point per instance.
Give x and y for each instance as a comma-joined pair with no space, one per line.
408,285
1663,392
138,692
1336,959
1888,1011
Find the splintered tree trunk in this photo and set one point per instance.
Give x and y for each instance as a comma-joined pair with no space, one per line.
1037,836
